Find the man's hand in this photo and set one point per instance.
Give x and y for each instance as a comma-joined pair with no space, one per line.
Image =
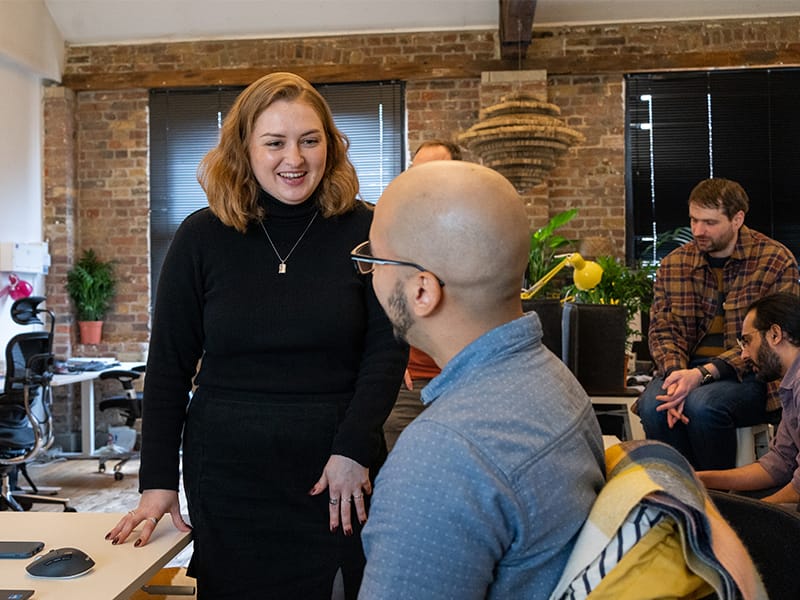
677,387
408,381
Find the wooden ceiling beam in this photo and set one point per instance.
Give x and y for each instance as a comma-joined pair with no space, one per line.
516,28
446,68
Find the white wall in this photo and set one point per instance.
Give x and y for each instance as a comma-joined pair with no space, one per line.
31,51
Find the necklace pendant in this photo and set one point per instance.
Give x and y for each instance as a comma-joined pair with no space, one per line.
281,268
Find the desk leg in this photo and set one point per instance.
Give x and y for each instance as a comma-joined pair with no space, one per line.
87,417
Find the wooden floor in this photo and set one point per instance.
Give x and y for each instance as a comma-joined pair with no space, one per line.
89,490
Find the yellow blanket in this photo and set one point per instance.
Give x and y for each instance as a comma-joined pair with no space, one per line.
653,533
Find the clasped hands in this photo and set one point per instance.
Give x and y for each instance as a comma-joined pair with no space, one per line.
677,386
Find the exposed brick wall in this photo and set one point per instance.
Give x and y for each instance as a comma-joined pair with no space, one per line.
337,50
60,195
113,210
110,209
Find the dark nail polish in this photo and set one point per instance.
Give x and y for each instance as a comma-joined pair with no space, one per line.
137,543
108,535
115,541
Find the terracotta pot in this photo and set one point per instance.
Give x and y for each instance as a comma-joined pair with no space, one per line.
90,331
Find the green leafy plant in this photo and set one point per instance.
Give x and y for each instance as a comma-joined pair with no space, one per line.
631,287
91,284
545,243
665,242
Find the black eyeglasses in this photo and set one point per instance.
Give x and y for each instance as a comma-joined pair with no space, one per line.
365,263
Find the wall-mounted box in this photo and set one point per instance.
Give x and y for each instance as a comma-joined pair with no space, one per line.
24,257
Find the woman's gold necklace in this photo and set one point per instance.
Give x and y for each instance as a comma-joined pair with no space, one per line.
282,263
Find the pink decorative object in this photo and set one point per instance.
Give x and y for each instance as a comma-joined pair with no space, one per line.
18,288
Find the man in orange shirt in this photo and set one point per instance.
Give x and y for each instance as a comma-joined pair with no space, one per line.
421,367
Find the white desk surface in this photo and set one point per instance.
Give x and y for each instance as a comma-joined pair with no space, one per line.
119,570
77,377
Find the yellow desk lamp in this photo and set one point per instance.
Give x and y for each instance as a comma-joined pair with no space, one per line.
586,276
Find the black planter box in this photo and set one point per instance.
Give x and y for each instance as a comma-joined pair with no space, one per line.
593,346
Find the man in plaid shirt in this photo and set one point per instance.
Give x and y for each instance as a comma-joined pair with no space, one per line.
703,389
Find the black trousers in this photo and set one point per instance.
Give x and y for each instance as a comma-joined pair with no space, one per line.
249,463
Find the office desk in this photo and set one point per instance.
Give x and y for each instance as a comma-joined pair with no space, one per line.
119,570
86,379
621,406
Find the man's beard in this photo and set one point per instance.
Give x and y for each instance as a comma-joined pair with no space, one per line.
398,313
769,365
709,244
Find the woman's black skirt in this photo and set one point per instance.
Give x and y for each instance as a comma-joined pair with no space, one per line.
249,462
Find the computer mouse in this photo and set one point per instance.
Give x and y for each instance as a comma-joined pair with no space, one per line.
60,563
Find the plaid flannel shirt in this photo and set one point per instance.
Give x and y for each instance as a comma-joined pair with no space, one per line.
685,299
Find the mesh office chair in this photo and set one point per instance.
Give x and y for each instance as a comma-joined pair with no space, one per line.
129,405
26,423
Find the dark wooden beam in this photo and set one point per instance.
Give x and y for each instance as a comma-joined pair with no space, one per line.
445,68
516,28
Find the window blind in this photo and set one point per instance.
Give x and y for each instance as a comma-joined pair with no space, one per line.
682,128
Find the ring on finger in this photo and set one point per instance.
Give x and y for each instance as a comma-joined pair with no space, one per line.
153,520
333,501
358,497
132,513
347,499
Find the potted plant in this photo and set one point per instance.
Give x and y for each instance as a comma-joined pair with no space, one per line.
601,323
630,287
545,244
91,285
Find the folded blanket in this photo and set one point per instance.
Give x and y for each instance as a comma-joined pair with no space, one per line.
653,532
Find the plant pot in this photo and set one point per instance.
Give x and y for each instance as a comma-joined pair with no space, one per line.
90,331
593,338
549,311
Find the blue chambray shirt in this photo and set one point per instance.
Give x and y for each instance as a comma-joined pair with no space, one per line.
486,490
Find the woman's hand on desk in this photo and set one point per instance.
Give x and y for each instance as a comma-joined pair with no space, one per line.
152,506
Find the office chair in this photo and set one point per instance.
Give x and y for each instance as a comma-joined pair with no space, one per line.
26,422
771,535
129,404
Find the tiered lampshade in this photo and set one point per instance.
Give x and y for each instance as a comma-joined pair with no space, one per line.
521,137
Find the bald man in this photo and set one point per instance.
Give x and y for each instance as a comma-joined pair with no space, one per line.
485,491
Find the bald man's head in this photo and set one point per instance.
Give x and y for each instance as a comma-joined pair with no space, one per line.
463,222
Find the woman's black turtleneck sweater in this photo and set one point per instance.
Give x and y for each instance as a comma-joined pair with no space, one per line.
313,331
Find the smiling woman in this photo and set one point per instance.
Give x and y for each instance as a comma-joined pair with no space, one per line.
296,373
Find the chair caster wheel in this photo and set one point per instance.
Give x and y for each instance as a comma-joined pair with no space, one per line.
70,509
118,476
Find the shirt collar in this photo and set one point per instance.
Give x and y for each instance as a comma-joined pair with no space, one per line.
489,348
791,375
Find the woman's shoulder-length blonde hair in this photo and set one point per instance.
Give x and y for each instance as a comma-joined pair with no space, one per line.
225,173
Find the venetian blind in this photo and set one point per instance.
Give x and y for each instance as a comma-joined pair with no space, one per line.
682,128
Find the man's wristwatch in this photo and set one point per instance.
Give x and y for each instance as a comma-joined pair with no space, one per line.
707,376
